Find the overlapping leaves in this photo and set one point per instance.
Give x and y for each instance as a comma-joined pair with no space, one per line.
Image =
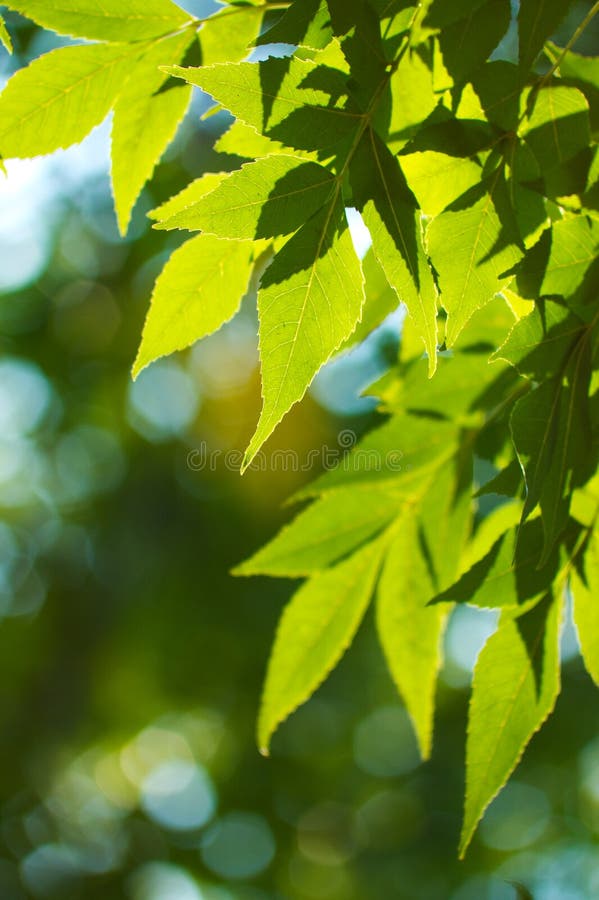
477,180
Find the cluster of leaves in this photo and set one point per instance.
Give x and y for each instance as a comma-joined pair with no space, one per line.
478,181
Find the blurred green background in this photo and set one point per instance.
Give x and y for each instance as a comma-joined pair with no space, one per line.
131,661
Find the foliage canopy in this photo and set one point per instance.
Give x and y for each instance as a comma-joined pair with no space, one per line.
477,177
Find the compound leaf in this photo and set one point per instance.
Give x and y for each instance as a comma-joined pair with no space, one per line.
199,289
315,630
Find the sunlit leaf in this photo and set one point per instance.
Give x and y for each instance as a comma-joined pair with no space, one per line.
110,20
585,588
146,118
390,214
198,290
315,630
310,300
325,532
271,196
58,98
409,631
516,683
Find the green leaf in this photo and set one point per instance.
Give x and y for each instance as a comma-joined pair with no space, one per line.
288,100
557,127
315,630
410,632
404,452
440,14
581,72
268,197
5,36
309,302
507,576
552,436
227,35
243,140
392,217
325,532
189,195
306,23
446,516
412,96
574,248
516,684
381,300
467,43
537,20
198,290
358,29
58,98
585,588
146,118
498,84
463,379
110,20
539,343
470,249
438,179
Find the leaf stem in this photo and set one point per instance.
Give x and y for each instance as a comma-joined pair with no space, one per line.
583,25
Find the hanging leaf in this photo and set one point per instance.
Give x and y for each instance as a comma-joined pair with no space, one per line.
301,322
391,216
516,683
315,630
146,118
199,289
585,588
57,99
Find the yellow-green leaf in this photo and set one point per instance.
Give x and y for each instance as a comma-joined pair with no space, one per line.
315,630
198,290
516,683
110,20
146,118
58,98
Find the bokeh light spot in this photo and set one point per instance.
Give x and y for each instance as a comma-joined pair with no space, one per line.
163,402
163,881
516,818
240,845
179,795
384,743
